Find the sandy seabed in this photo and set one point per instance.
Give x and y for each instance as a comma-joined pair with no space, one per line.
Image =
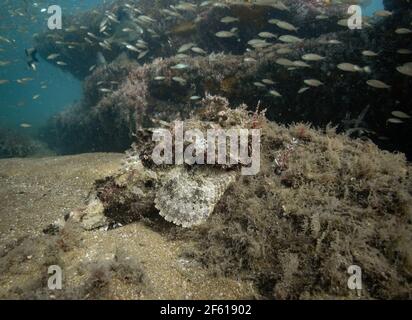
37,192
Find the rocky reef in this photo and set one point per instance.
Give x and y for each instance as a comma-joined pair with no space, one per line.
320,203
357,84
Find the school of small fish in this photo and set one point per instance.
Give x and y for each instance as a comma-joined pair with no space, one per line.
281,35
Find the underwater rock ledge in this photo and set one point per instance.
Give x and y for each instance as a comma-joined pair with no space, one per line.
123,95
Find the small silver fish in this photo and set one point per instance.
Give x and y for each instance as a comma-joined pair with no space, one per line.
229,20
313,82
377,84
225,34
400,115
179,80
274,93
180,66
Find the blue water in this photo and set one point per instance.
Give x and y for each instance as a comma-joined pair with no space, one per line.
374,6
16,104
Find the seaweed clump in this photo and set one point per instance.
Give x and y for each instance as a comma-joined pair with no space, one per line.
101,275
321,203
